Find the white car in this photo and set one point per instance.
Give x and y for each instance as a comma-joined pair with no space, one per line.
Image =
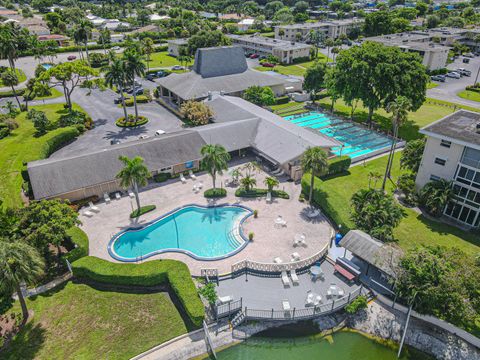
454,75
177,67
159,132
116,48
143,137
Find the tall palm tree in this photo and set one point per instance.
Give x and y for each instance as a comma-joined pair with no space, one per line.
19,263
315,161
399,109
329,43
10,78
215,160
373,176
248,183
271,182
115,75
81,35
9,35
134,66
134,174
435,195
147,47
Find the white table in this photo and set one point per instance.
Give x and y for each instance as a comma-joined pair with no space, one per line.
286,305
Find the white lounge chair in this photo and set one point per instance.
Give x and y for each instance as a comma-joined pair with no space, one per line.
277,260
294,277
318,300
182,179
118,196
310,298
295,256
93,207
269,197
340,292
107,198
200,185
131,194
88,213
285,279
192,175
329,293
195,189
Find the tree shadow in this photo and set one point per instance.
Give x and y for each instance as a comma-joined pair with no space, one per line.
26,344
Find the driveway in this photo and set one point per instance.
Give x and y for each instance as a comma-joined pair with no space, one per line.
448,90
99,105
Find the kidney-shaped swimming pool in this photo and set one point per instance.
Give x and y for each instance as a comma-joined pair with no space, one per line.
204,233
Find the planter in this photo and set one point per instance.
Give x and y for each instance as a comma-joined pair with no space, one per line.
142,120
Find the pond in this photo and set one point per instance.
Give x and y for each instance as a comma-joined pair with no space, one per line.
341,346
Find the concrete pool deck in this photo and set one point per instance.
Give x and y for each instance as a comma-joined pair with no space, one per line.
269,242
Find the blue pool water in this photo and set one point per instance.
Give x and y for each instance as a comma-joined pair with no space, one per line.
356,140
206,233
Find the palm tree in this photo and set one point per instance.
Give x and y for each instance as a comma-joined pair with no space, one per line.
147,47
215,160
271,182
134,65
435,195
115,75
9,43
375,176
315,161
10,78
329,43
399,109
248,183
134,174
81,35
19,263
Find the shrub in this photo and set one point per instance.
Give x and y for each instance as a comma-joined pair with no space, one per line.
406,184
151,273
73,117
261,96
435,195
196,112
251,235
78,204
142,120
209,293
60,140
282,100
141,99
241,192
338,165
215,193
359,303
4,131
161,177
255,214
40,121
80,239
143,210
98,60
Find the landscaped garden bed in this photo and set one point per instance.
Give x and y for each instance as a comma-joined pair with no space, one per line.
241,192
215,193
142,120
143,210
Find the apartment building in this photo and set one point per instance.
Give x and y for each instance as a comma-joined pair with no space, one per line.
332,29
285,51
452,152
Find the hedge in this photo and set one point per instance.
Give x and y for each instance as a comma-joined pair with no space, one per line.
282,100
338,165
150,273
5,94
60,140
143,210
161,177
215,193
141,99
142,120
80,239
241,192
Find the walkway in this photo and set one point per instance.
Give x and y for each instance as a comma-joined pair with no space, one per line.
44,288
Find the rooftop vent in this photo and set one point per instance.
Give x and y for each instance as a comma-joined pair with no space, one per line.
478,128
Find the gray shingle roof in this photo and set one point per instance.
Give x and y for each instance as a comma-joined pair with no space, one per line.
383,256
220,61
460,125
52,177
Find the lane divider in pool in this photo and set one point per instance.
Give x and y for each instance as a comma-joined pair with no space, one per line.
113,254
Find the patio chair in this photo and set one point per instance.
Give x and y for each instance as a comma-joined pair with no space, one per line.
277,260
341,292
329,293
286,307
200,185
269,197
131,194
182,179
118,196
318,300
310,298
295,256
93,207
294,277
107,198
88,213
192,175
285,279
195,188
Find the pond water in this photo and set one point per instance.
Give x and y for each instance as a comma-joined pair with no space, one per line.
340,346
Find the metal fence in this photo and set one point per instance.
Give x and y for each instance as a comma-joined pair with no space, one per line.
226,309
254,266
305,313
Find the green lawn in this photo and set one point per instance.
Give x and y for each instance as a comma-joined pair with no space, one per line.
335,195
469,95
431,85
20,74
21,147
292,69
77,321
162,59
54,94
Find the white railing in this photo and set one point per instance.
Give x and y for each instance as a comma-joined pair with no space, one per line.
276,268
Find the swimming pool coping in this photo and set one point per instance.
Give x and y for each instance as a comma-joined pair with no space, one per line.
245,239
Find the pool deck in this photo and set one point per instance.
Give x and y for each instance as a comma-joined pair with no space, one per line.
269,242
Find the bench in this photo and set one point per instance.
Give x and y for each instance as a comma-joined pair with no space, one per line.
347,268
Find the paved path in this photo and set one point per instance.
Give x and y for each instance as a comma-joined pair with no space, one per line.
44,288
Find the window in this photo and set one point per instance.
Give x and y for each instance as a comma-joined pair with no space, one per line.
440,161
446,143
434,178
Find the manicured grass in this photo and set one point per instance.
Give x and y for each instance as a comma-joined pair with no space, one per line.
20,75
469,95
289,108
334,196
79,322
431,85
23,146
162,59
143,210
292,69
54,93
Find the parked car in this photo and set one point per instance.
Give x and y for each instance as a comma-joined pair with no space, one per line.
71,57
137,91
466,60
116,48
177,67
159,132
468,55
263,57
150,77
268,65
161,73
118,100
254,56
143,137
463,71
453,75
440,78
114,142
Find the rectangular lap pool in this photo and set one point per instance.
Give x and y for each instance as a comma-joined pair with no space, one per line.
357,142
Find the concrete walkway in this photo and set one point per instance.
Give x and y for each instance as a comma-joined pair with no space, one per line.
44,288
